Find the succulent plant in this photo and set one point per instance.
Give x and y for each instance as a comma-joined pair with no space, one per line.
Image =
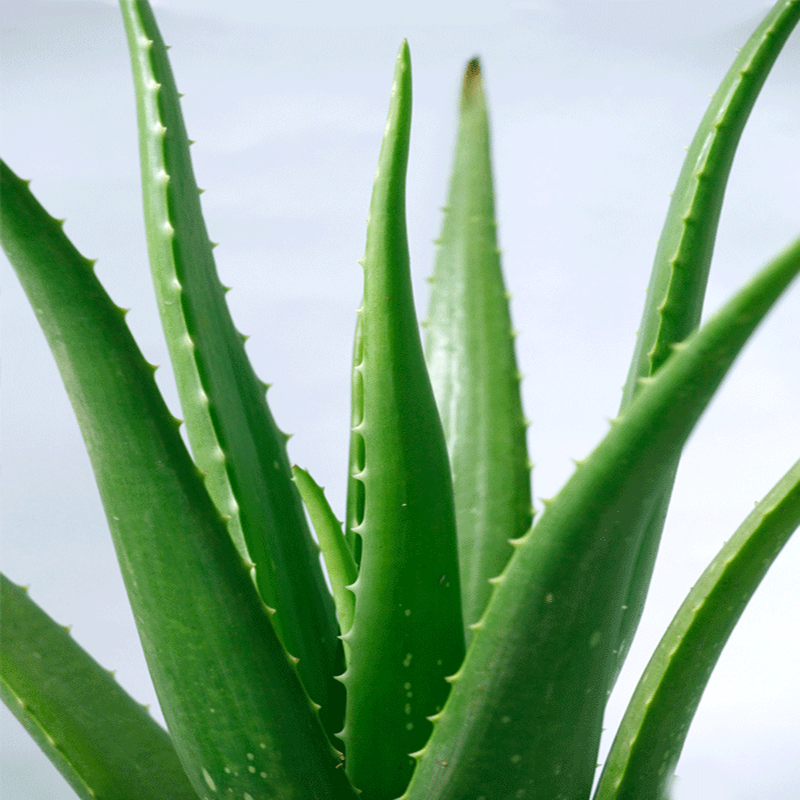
458,646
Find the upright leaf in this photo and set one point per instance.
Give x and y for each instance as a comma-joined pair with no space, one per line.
470,352
233,435
240,719
525,712
678,281
407,633
341,567
101,740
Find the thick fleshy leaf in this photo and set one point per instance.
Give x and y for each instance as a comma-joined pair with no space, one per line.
101,740
683,258
233,436
470,351
531,693
649,740
407,633
235,707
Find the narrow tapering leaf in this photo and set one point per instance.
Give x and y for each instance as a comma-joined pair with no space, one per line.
235,707
680,272
407,633
525,712
683,257
341,566
233,435
648,743
102,741
470,352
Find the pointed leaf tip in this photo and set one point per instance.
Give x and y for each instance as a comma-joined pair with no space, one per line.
472,86
403,56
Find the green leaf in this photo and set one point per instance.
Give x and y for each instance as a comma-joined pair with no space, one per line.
470,353
407,633
680,272
102,741
355,456
525,711
648,743
683,258
233,435
341,567
237,712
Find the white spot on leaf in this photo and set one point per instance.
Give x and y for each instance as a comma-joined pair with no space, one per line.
209,781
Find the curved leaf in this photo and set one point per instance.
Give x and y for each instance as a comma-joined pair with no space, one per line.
233,435
680,272
650,737
237,712
531,693
101,740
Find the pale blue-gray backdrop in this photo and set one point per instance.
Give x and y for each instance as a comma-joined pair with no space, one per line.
592,105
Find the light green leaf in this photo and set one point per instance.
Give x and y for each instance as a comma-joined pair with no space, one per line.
341,566
233,435
473,368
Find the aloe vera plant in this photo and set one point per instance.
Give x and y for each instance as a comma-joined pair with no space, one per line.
478,651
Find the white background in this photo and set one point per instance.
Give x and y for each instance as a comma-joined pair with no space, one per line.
592,104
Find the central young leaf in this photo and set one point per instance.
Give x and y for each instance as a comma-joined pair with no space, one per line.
407,634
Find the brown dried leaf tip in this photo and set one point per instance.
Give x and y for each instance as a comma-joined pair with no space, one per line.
471,88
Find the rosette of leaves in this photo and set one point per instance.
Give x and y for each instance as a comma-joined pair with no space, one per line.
463,649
